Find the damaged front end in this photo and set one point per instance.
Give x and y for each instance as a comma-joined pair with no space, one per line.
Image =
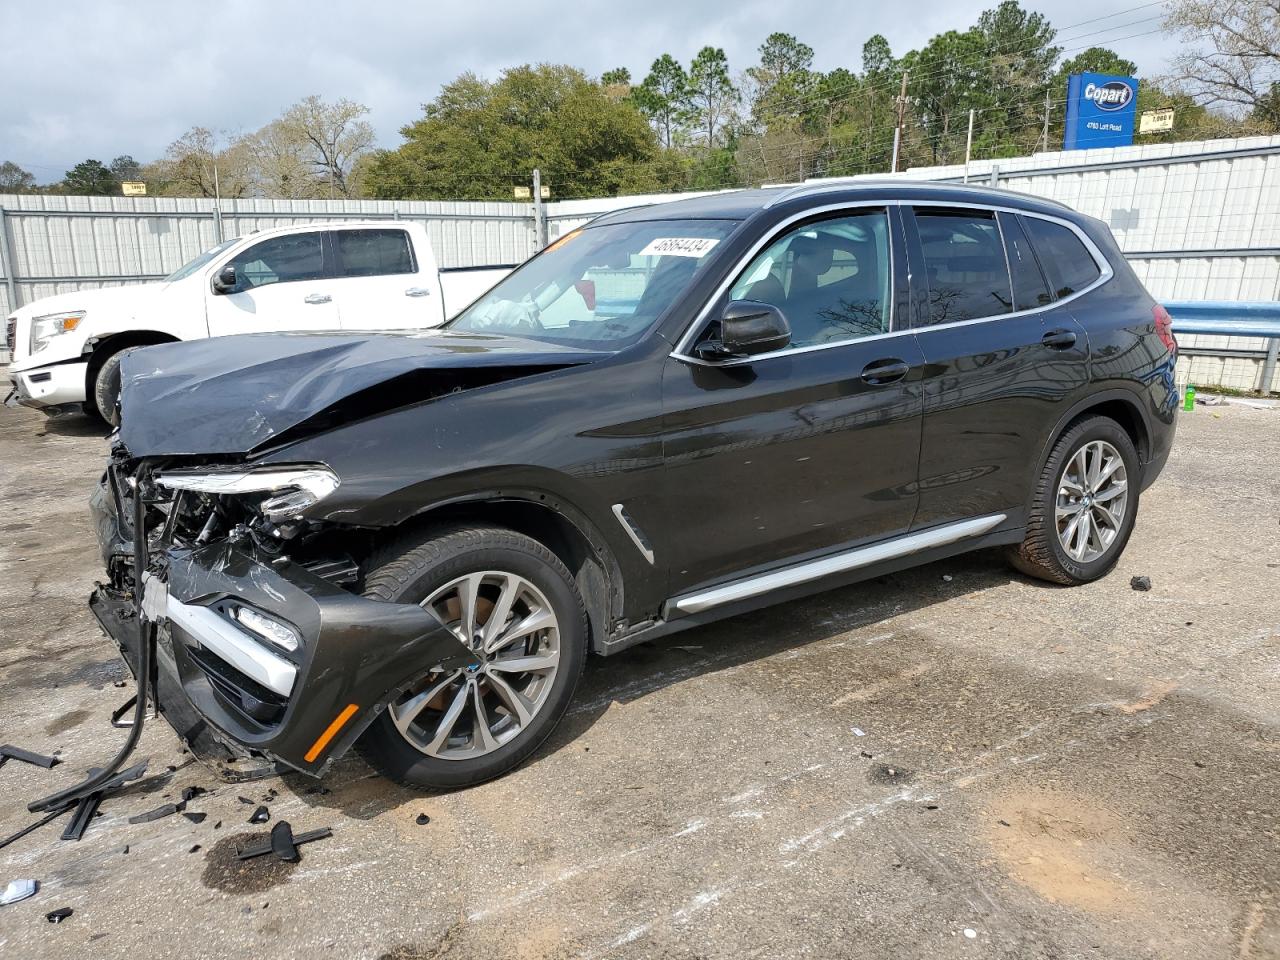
266,653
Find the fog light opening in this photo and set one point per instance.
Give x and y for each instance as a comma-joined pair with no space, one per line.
268,628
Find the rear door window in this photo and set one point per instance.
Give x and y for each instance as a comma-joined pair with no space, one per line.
1029,287
965,266
1065,258
373,253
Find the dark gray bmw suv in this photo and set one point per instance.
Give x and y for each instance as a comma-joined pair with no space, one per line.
411,542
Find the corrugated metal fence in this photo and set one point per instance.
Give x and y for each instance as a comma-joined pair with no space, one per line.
1199,221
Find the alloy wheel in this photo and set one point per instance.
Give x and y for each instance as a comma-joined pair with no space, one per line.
467,713
1092,499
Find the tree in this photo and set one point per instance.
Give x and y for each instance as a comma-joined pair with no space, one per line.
335,136
1094,60
90,178
711,94
663,97
125,168
479,138
201,163
783,77
617,77
280,164
13,179
1232,55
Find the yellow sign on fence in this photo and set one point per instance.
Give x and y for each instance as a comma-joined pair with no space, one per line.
133,188
1155,121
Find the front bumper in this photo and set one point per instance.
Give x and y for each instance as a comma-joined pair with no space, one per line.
229,694
57,387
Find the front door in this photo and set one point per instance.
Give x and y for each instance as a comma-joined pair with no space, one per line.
811,447
1002,363
281,284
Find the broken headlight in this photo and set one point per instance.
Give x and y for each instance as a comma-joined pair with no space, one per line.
294,489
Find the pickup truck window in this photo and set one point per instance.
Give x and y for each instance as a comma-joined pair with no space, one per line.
964,261
600,287
373,253
295,256
830,279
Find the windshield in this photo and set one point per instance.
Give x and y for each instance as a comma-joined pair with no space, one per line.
599,287
191,266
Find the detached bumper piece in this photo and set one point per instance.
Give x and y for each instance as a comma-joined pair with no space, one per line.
230,692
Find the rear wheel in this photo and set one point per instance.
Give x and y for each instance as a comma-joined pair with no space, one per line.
1085,504
510,600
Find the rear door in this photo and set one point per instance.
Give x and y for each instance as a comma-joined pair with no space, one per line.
382,282
811,447
1002,362
282,284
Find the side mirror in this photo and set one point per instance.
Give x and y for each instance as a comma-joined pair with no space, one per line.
225,281
747,328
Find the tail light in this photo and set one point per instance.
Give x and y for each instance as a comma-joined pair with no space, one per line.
1164,327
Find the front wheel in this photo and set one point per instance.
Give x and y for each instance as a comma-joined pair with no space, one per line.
1084,506
509,599
106,389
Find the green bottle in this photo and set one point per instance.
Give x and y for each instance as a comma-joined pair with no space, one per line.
1189,402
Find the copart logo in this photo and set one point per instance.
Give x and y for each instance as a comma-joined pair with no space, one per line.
1109,96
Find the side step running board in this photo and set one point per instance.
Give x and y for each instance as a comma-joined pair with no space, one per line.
839,563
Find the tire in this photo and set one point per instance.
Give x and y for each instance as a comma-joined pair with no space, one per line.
1054,549
399,743
106,389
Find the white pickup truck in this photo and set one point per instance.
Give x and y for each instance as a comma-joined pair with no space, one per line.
378,275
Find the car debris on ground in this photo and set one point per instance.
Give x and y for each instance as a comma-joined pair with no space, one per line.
283,843
1141,584
18,890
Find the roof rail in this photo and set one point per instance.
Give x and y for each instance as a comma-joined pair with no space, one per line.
808,189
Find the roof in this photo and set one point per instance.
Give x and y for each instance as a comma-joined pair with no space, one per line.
742,204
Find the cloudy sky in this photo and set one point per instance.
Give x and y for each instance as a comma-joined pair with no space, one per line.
87,78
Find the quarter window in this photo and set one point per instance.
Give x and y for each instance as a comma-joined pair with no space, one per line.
831,279
1068,263
964,261
373,253
1029,289
285,259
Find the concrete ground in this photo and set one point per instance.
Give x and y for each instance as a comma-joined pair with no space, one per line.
953,761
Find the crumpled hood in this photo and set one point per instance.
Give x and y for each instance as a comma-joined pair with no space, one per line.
235,395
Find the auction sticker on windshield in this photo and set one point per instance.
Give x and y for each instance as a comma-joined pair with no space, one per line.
679,247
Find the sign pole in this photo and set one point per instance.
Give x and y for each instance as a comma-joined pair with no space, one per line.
539,211
968,147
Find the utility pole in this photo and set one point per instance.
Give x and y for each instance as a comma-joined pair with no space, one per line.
968,147
897,131
1046,120
539,211
217,205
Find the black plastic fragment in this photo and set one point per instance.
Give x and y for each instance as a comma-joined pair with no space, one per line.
190,793
194,848
422,820
261,815
86,809
1141,584
57,916
167,810
283,844
9,752
246,801
217,825
258,849
195,817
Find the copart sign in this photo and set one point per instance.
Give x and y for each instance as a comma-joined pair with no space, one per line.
1100,111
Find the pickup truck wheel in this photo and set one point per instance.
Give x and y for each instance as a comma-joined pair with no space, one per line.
106,388
510,600
1084,507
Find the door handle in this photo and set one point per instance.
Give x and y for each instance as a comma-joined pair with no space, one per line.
418,292
1059,339
880,372
316,298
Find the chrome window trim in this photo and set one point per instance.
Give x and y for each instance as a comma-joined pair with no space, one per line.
842,562
1105,273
